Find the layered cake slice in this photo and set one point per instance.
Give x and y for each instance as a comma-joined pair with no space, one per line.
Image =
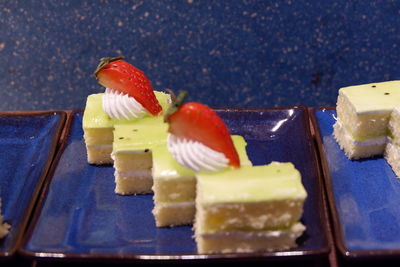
98,127
132,154
249,209
174,190
129,97
175,186
363,113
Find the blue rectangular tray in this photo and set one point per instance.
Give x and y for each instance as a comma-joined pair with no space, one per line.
28,142
364,196
80,216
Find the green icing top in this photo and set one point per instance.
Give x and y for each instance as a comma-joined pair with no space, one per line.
275,181
373,97
149,132
95,117
166,167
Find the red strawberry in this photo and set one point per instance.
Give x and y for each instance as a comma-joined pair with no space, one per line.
198,122
121,76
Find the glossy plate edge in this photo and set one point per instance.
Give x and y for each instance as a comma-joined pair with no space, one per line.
337,230
43,177
284,255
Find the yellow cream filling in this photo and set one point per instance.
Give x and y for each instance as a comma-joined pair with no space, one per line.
365,137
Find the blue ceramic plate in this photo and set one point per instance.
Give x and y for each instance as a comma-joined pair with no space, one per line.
364,196
82,217
28,142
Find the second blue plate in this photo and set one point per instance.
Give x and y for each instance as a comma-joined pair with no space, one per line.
364,196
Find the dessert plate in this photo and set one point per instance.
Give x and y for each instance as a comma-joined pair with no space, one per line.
80,216
28,142
364,196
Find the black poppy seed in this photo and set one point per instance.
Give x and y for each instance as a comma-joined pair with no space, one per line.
373,86
146,150
387,93
121,138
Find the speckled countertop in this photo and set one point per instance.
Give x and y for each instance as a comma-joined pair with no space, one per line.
225,53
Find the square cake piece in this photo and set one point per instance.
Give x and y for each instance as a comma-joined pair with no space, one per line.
98,127
363,113
175,186
132,154
250,209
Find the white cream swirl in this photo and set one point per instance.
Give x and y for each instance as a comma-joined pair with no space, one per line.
119,106
195,156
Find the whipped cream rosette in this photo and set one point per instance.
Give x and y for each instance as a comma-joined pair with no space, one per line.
196,156
121,106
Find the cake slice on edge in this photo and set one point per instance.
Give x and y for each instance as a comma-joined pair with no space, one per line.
132,154
392,150
175,186
97,131
363,114
4,227
249,209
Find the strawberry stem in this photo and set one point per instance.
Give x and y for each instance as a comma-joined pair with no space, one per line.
176,103
172,94
104,61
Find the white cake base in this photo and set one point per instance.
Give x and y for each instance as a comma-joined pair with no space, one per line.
99,154
133,182
174,214
252,241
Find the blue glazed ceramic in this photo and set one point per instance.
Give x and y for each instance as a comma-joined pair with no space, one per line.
364,195
82,217
242,53
27,144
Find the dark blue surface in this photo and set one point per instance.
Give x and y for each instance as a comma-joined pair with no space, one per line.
83,215
366,195
242,53
26,147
